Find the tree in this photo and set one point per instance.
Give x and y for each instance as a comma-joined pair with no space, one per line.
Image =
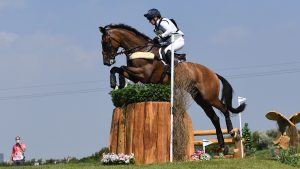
248,138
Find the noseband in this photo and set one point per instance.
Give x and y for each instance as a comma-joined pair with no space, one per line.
112,56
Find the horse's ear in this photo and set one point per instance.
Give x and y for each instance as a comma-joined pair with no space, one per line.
102,30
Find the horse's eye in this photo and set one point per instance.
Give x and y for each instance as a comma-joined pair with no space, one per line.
104,46
105,39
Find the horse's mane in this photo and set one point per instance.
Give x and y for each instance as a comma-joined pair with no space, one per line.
129,28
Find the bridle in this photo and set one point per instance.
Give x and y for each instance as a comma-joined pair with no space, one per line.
109,46
127,52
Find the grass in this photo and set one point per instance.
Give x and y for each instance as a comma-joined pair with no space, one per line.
260,160
248,163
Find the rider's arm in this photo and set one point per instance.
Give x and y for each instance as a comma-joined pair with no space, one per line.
167,26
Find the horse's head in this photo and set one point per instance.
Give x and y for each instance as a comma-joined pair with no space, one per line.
110,46
120,35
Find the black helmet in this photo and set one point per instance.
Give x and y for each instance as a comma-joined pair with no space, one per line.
152,13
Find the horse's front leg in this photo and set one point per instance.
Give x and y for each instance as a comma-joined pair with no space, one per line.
113,79
132,73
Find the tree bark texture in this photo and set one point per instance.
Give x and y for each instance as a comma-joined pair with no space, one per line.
144,129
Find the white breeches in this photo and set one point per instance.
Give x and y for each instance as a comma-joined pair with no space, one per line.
177,45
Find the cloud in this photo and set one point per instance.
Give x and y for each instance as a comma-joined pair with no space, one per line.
7,38
51,47
6,4
43,56
230,35
55,49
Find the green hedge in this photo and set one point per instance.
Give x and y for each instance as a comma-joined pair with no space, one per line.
135,93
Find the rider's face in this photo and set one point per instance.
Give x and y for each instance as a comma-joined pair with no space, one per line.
153,21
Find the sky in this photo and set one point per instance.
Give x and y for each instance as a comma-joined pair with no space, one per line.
54,87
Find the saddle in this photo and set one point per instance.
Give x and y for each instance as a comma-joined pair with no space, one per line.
167,68
180,56
177,57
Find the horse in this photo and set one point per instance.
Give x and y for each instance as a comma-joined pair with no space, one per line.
205,84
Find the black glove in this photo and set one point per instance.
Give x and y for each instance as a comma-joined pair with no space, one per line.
156,40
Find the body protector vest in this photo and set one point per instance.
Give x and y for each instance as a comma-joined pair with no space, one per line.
165,27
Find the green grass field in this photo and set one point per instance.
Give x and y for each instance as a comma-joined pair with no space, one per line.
213,164
259,161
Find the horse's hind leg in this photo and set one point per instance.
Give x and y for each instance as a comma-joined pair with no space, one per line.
209,111
229,126
219,105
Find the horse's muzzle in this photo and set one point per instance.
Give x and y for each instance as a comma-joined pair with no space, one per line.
107,64
111,62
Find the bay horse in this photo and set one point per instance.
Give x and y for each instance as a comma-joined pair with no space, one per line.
205,83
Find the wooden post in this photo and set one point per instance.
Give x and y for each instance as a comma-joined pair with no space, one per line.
121,133
114,130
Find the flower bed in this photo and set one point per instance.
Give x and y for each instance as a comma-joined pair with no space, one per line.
200,155
113,159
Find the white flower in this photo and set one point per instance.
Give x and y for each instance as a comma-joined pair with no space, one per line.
112,158
205,157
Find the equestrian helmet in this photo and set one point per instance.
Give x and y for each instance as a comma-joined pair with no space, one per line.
152,13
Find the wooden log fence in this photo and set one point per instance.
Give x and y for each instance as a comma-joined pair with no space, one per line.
228,141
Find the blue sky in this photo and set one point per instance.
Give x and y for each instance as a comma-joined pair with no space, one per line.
54,87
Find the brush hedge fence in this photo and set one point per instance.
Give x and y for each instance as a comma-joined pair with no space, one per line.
135,93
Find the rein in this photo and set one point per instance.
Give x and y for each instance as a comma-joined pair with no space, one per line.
132,50
127,51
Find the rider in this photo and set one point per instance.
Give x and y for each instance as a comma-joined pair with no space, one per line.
164,28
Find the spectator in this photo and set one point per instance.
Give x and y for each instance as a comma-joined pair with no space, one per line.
17,154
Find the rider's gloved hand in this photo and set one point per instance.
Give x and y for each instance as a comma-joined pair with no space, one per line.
156,40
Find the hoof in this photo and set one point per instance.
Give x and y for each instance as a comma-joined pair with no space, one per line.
225,150
113,85
234,134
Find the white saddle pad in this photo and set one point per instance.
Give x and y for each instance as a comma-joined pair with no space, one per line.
141,55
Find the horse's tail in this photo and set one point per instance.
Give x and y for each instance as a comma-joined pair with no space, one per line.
226,98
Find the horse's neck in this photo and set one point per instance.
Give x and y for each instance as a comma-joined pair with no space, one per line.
129,41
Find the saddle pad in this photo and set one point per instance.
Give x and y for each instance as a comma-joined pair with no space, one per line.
141,55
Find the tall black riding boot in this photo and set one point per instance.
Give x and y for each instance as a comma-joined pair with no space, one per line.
168,57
